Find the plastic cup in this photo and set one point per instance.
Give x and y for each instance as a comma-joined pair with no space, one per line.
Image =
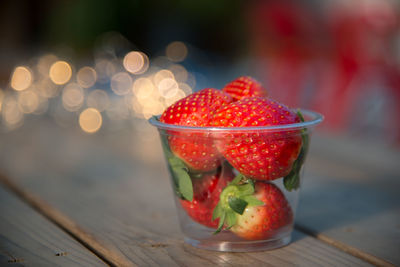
203,161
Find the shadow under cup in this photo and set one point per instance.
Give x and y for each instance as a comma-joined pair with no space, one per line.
207,164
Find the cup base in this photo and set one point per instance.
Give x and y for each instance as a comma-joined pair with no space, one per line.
239,246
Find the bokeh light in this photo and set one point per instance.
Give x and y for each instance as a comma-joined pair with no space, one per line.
185,88
161,75
121,83
42,107
60,72
133,93
112,67
168,87
101,70
161,62
191,80
21,78
143,88
47,88
72,97
178,95
11,114
136,107
90,120
180,73
28,101
176,51
136,62
151,108
98,99
145,107
45,63
86,77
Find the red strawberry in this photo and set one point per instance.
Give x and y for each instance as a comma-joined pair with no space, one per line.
259,155
243,87
253,210
263,222
195,109
195,149
206,192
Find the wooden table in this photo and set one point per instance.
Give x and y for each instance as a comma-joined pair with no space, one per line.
67,198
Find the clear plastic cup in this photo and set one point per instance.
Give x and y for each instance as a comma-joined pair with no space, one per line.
267,163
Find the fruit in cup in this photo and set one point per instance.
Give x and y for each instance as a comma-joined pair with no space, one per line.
198,152
253,211
243,87
249,205
261,222
207,189
261,156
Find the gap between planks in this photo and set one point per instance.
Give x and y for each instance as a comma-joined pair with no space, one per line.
114,258
110,257
344,247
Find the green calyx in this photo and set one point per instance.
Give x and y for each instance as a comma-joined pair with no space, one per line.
179,171
181,177
292,180
233,201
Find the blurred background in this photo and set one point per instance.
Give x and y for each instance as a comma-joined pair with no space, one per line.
103,66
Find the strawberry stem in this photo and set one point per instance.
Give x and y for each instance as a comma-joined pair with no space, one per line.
234,199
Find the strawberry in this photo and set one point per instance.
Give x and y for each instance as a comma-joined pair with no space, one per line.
206,191
262,222
253,210
195,149
196,109
262,155
243,87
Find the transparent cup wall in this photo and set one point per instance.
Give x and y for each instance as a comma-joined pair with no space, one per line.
215,151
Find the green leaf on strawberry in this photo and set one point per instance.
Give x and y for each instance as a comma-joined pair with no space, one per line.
237,179
292,180
252,201
206,192
230,220
237,204
180,173
261,221
234,199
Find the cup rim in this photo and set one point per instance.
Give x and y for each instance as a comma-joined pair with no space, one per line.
312,119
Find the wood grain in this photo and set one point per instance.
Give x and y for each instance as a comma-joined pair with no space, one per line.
28,239
153,249
345,247
350,194
111,257
126,202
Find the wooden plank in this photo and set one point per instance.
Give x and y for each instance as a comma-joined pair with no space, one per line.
345,247
111,257
145,246
28,239
351,194
126,203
